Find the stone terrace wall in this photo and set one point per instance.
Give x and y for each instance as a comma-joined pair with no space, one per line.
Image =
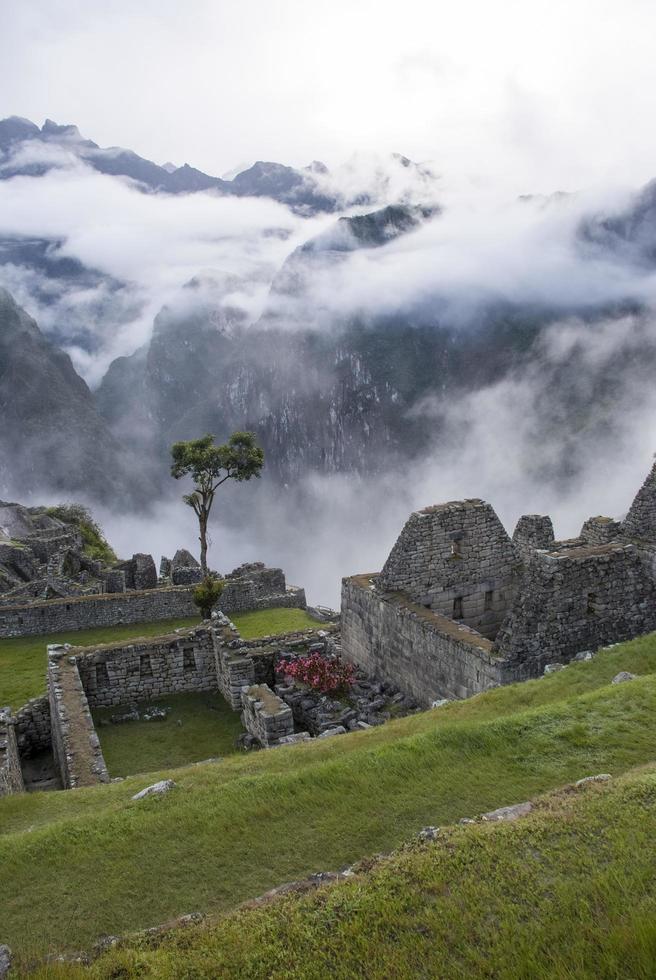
11,777
457,559
33,730
174,602
148,669
579,599
425,654
75,744
86,612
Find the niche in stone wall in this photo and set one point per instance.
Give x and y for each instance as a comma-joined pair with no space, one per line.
457,608
188,660
487,603
145,666
591,604
102,676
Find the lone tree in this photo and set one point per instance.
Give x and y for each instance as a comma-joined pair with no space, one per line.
209,466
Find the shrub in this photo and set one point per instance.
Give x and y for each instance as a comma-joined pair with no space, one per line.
207,594
325,674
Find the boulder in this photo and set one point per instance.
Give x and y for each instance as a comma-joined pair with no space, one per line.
157,789
601,777
5,960
624,675
145,573
508,812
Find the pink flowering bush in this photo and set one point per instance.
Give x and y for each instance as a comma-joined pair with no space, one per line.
322,674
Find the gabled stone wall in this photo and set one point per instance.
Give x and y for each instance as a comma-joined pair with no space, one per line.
457,560
640,522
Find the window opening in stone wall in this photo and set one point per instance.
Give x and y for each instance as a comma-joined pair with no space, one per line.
457,608
456,551
145,666
102,676
487,605
188,660
591,607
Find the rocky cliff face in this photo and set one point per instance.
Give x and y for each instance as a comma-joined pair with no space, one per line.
51,436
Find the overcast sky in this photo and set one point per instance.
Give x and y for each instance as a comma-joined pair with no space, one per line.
544,93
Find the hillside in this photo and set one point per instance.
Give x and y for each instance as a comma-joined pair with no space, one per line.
543,897
80,864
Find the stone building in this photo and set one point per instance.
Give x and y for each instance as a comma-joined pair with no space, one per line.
460,607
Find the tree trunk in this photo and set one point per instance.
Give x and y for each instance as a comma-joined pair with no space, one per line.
202,521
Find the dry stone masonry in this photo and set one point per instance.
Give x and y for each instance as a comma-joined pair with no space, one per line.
248,587
459,607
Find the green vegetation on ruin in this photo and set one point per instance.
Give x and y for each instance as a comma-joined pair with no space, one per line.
93,540
88,862
23,659
269,622
198,726
568,891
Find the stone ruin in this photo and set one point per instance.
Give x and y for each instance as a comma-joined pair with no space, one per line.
459,607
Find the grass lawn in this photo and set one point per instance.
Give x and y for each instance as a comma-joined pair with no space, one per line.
199,726
567,892
23,659
79,864
268,622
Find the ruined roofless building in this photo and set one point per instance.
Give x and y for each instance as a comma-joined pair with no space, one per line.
459,607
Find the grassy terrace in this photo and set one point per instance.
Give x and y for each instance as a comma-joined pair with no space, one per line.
199,726
567,892
23,659
79,864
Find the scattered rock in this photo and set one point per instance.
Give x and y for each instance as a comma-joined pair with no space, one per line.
466,820
337,730
585,655
440,702
508,812
155,714
601,777
5,961
428,833
552,668
623,675
157,789
293,739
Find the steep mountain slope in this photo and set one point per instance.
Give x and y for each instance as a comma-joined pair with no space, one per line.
51,436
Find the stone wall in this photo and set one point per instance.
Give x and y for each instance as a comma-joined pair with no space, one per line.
75,744
579,599
600,530
532,531
174,602
640,522
87,612
148,669
33,730
265,715
11,777
425,654
456,559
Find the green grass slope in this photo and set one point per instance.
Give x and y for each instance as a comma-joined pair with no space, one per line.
79,864
566,892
